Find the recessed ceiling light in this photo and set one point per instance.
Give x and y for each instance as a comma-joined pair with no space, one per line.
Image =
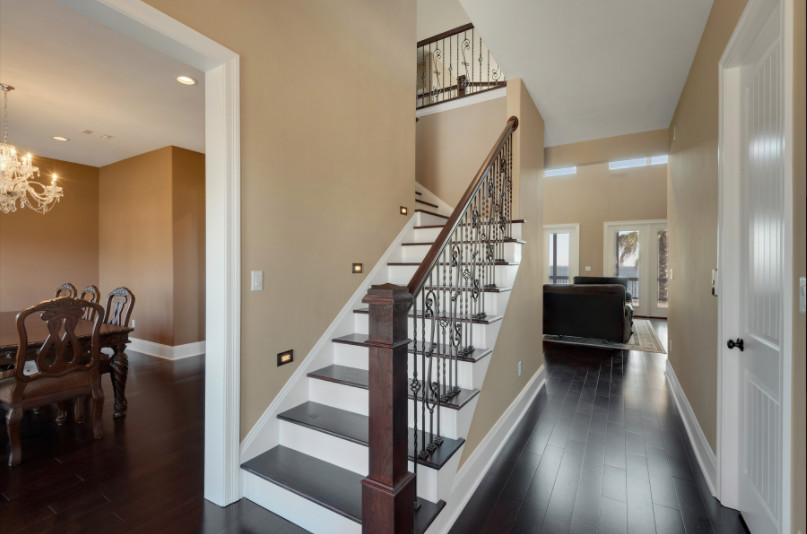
60,138
186,80
107,136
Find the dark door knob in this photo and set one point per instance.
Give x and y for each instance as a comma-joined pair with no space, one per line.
739,343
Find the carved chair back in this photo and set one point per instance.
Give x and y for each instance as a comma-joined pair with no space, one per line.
90,294
61,353
119,305
66,290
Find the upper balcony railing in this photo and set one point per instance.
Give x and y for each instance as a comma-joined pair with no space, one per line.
453,65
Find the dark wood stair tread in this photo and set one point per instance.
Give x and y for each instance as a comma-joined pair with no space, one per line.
424,243
514,221
408,263
418,193
432,213
332,487
359,378
440,352
417,200
462,318
355,427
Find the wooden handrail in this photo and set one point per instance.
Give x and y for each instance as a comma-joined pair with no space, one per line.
445,34
432,257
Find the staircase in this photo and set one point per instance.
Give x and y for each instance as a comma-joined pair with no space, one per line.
319,455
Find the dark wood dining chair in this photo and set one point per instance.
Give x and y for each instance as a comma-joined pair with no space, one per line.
119,306
65,369
66,290
90,294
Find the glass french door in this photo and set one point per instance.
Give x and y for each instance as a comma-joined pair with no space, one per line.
638,251
561,253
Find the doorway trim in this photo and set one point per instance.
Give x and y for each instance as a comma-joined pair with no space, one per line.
729,163
140,21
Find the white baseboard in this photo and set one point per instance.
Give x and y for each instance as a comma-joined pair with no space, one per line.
703,452
474,469
167,352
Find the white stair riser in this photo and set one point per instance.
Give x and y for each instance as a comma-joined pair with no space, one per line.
361,323
426,219
469,375
299,510
512,252
355,457
355,400
402,274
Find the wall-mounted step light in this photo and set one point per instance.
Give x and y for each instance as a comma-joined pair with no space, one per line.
285,357
404,210
358,268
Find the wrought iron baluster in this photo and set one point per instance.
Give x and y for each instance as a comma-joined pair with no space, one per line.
415,387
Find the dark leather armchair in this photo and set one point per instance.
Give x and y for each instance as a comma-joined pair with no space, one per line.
588,311
599,280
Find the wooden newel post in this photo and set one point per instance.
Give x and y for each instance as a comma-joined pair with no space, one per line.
388,492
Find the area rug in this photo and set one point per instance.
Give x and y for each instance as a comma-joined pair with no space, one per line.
644,338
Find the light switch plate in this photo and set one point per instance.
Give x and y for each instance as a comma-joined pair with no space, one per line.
257,280
802,295
588,268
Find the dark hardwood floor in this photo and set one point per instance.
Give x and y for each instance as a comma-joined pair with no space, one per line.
145,476
601,450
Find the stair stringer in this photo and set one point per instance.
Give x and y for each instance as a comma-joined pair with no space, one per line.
265,433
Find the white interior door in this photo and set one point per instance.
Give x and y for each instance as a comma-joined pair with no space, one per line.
761,282
636,250
561,244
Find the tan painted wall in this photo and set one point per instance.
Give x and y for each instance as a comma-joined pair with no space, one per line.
188,220
628,146
692,220
799,438
136,239
596,195
325,164
450,146
520,335
38,252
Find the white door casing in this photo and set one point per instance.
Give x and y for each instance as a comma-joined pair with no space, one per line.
755,266
138,20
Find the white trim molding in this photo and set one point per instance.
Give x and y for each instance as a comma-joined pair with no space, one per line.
167,352
703,451
153,28
457,103
473,471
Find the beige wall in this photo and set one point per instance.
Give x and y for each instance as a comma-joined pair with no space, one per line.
628,146
520,335
152,241
325,164
188,220
799,439
39,252
692,221
136,240
452,145
596,195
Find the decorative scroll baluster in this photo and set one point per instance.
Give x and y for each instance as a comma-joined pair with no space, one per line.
445,297
454,64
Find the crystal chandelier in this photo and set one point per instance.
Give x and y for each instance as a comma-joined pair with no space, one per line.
17,175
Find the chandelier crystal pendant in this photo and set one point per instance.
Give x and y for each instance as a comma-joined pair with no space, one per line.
18,185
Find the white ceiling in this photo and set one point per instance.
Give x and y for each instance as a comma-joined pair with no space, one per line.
595,68
72,74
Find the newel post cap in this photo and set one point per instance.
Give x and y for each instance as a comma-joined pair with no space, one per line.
387,293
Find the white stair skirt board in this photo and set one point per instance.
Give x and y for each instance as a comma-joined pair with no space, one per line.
299,510
428,196
167,352
703,452
462,102
477,465
264,435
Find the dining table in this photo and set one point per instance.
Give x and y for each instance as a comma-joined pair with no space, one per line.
112,336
